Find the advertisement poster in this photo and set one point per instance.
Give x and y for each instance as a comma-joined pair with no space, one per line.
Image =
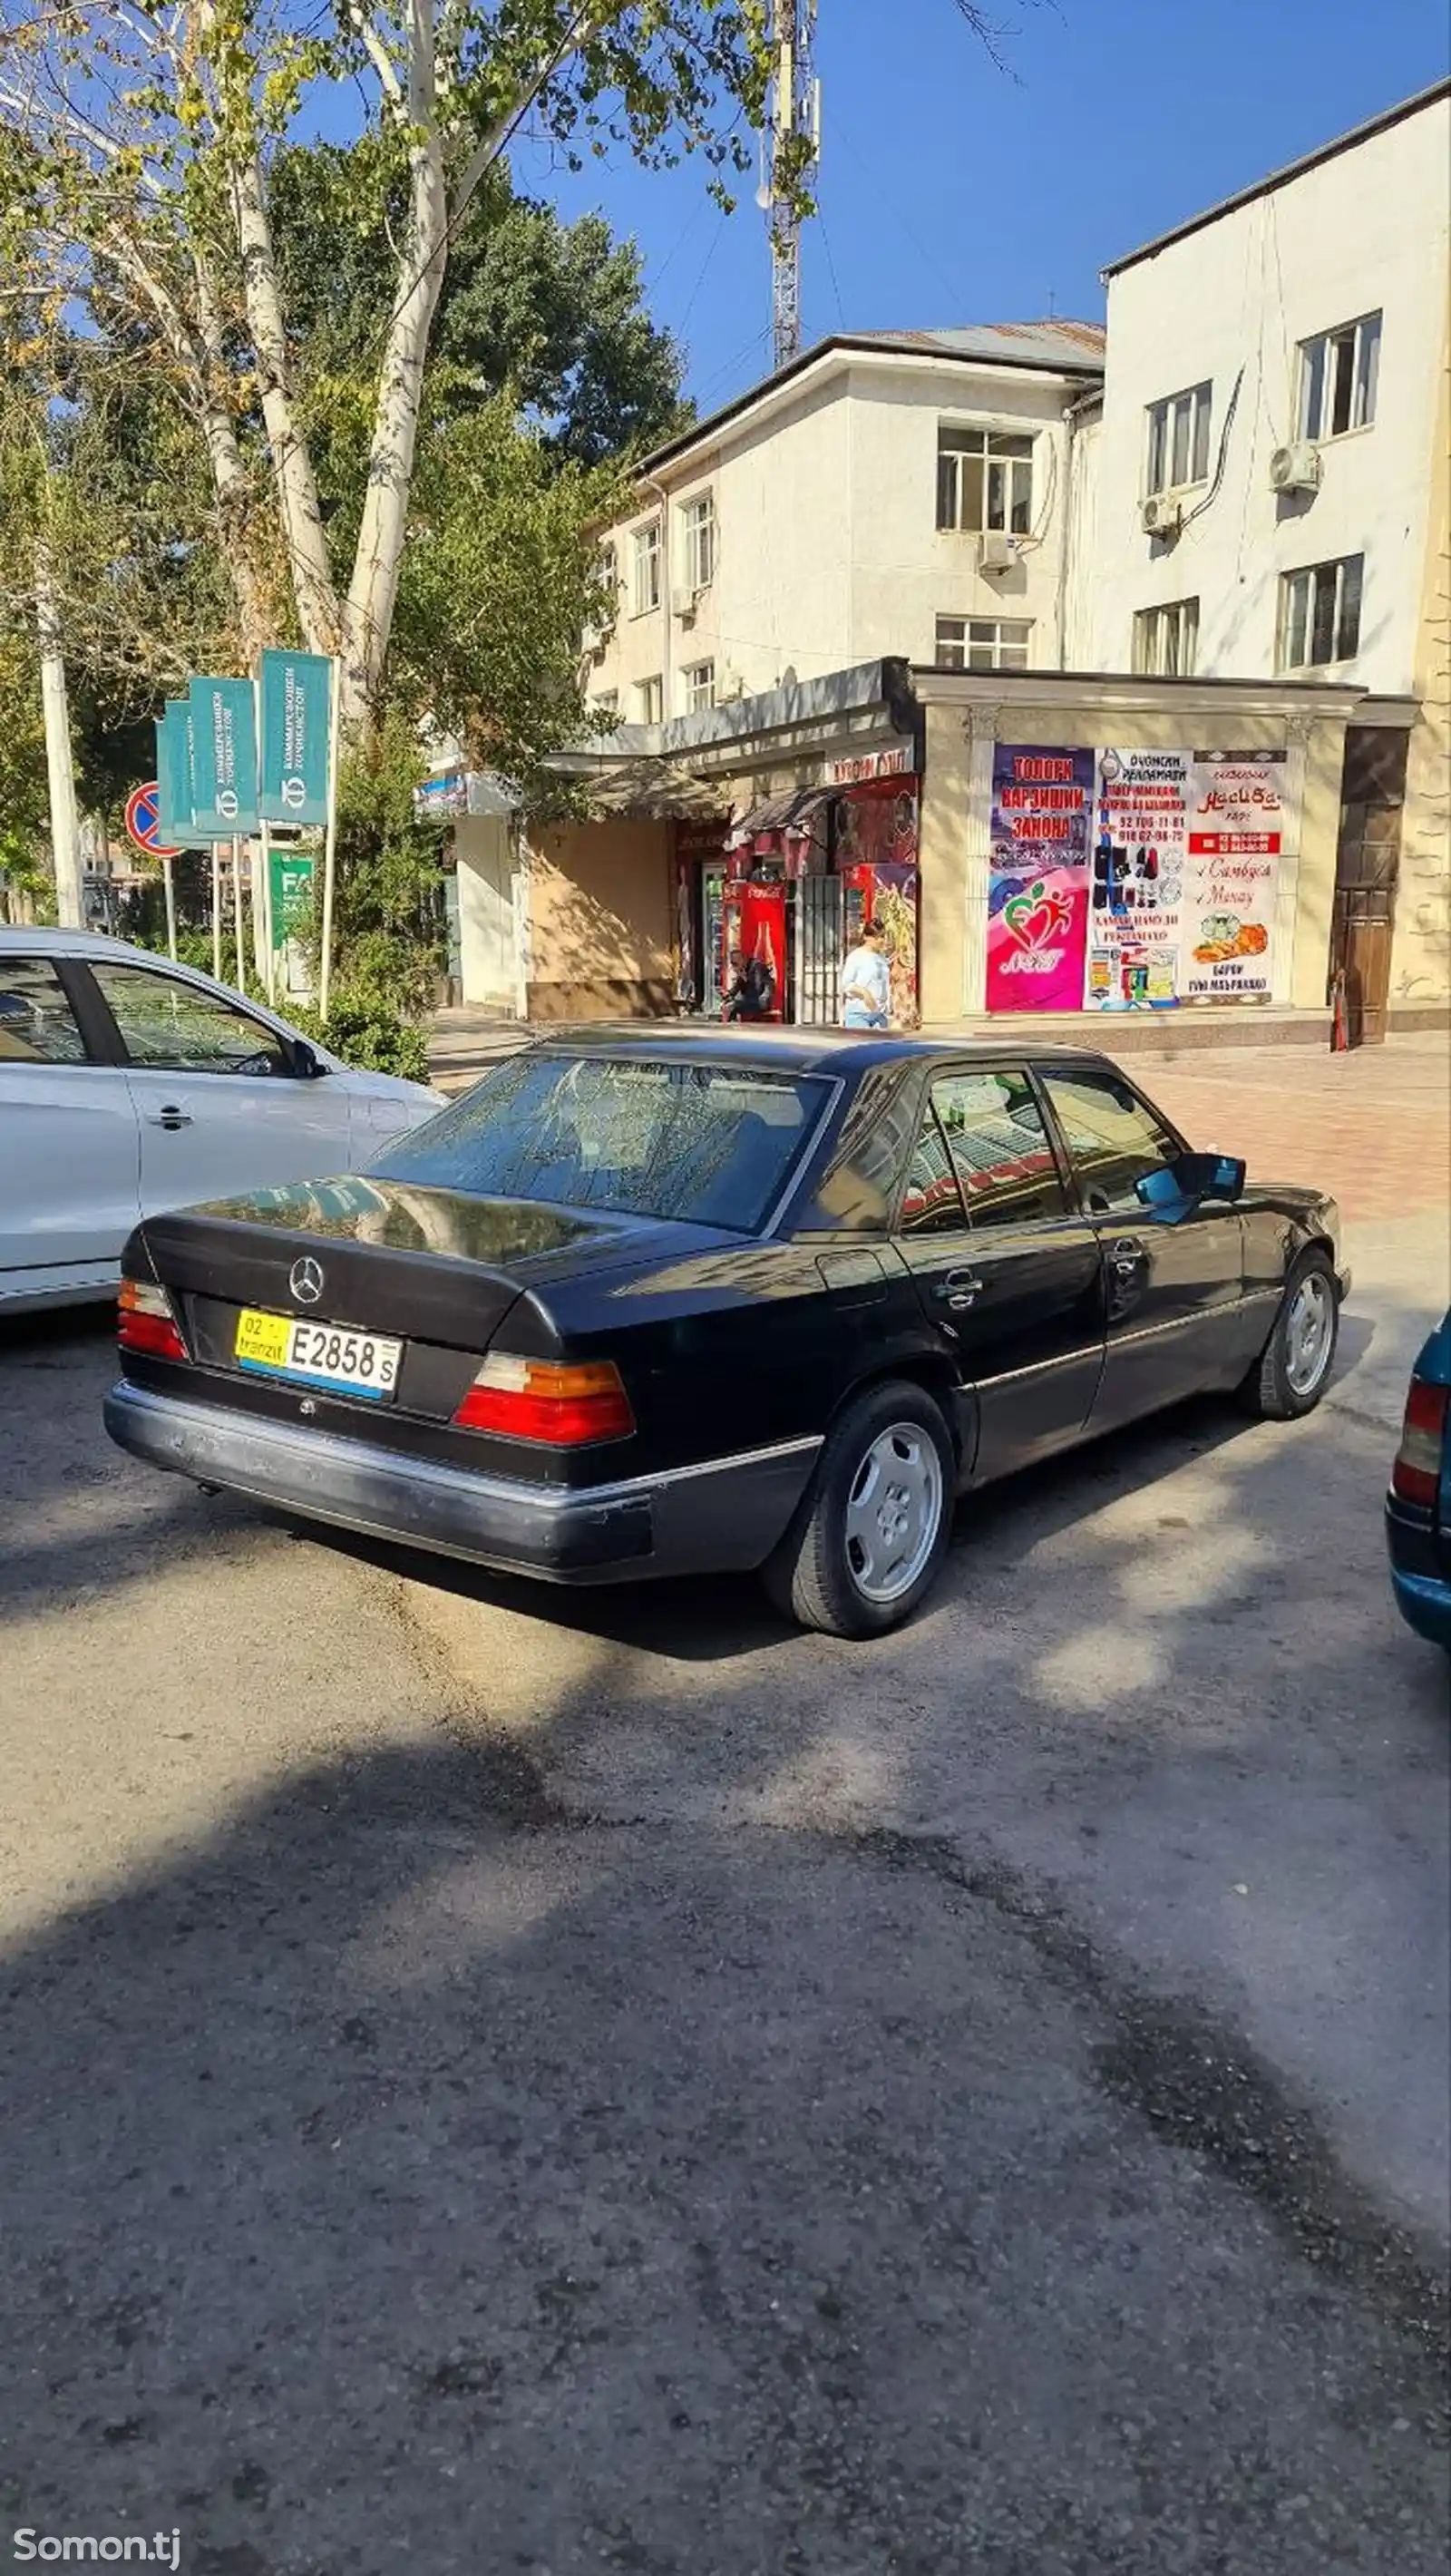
1140,839
1236,823
1038,878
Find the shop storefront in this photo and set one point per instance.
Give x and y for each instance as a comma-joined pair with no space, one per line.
770,897
1058,844
1158,848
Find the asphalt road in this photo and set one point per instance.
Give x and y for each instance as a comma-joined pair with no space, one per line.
495,2083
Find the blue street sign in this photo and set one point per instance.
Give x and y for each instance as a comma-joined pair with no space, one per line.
296,732
224,757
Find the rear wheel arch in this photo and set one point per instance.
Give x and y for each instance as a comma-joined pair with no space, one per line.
926,1369
814,1574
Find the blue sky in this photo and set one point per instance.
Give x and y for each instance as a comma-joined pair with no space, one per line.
953,192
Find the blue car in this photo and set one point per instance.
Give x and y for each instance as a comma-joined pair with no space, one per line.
1418,1506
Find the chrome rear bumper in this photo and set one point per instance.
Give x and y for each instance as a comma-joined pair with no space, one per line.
722,1516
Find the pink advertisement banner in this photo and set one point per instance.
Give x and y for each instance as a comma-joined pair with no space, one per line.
1038,879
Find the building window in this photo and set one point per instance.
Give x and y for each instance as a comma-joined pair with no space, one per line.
650,700
698,518
982,643
1179,440
647,567
984,480
607,572
1320,613
1166,640
608,702
1338,375
699,679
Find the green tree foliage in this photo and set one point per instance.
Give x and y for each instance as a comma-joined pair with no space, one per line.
552,312
139,150
23,807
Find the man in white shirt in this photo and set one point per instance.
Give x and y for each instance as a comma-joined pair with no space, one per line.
866,984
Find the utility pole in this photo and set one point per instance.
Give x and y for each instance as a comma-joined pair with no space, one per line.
65,838
792,148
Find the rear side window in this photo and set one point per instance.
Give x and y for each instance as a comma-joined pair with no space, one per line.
702,1144
1000,1148
37,1024
932,1201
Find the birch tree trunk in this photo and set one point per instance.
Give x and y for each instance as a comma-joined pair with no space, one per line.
235,506
373,591
318,607
195,343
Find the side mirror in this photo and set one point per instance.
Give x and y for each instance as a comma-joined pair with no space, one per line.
307,1064
1209,1176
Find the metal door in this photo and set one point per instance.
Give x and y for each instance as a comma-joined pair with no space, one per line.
818,951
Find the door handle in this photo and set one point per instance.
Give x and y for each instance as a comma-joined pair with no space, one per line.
957,1288
169,1118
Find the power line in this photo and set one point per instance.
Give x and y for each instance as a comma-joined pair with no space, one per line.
887,200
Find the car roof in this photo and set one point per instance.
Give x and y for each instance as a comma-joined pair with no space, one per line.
27,941
788,1050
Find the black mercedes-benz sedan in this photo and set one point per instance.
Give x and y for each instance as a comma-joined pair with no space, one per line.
650,1300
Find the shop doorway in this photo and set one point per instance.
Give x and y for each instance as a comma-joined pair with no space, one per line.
819,946
1367,871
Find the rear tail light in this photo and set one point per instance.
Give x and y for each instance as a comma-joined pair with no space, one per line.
147,1322
565,1404
1417,1470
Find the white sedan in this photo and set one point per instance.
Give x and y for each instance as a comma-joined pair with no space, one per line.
128,1085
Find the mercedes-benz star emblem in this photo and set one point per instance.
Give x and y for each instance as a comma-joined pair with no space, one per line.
305,1280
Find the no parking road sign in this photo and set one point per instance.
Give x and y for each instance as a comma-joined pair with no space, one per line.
143,821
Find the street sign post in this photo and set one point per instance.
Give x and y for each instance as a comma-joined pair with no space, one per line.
295,778
143,821
291,877
224,757
174,778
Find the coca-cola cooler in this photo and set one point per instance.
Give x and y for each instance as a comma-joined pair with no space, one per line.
755,928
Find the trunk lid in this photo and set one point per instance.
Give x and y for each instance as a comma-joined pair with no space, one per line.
430,1264
437,1269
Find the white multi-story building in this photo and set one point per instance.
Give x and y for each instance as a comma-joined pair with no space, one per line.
892,493
1270,477
1223,546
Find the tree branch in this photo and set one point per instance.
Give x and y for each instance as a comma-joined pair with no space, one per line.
366,31
489,146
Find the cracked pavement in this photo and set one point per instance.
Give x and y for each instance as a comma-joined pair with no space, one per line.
504,2083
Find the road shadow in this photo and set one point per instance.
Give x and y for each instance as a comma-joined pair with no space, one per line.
718,1618
414,2170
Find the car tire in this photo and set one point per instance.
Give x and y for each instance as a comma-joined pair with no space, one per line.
1293,1371
871,1531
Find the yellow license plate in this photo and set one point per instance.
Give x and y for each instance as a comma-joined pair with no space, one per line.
314,1353
263,1339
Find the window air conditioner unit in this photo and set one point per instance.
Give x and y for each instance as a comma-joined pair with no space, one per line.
1296,469
1162,515
682,603
995,551
731,687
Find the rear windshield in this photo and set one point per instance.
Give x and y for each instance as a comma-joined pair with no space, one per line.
706,1144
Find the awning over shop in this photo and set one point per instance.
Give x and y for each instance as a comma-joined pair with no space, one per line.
790,817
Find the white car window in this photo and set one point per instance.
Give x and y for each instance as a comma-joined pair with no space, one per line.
37,1024
181,1028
